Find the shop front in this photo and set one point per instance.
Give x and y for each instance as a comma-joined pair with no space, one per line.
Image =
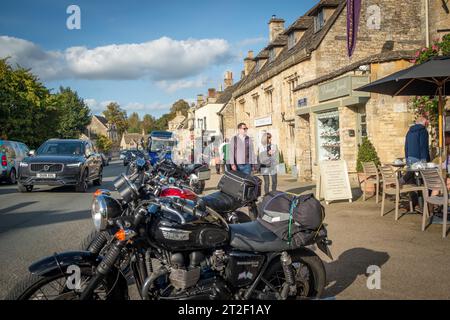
337,121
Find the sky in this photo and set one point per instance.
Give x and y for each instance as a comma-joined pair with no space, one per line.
145,55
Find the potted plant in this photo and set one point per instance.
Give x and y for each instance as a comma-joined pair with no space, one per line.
366,153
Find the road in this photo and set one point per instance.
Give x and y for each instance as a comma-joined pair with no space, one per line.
34,225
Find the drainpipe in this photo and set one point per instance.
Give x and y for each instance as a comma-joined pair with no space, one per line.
427,26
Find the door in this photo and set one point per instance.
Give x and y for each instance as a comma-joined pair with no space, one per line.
362,123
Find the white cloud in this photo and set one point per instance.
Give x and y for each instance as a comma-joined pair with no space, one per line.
161,59
252,41
173,86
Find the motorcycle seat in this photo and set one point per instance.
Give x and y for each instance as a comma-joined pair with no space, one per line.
253,236
192,167
221,202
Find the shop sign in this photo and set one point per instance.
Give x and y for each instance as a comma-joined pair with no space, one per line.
342,87
302,102
333,182
266,121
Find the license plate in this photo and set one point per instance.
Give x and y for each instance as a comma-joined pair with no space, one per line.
46,175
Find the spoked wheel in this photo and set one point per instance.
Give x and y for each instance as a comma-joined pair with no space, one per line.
309,273
58,287
198,187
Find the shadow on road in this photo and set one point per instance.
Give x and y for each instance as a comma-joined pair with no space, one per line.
16,206
39,218
8,189
342,272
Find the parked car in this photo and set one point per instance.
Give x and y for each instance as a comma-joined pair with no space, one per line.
11,153
105,159
59,162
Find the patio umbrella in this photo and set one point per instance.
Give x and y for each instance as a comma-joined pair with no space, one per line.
431,78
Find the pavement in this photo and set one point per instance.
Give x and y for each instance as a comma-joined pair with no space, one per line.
411,264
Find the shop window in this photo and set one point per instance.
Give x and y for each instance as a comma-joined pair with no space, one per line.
329,144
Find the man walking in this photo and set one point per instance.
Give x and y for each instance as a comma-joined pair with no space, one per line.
242,155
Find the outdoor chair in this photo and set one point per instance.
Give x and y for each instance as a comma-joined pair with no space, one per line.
371,176
391,186
434,181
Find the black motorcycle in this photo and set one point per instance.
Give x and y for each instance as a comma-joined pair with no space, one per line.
177,249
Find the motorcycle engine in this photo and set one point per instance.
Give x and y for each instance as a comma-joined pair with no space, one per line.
196,279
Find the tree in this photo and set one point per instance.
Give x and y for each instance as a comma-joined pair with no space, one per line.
103,144
26,111
148,123
182,106
116,115
366,153
134,123
73,113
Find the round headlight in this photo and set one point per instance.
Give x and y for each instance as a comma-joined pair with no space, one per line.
104,208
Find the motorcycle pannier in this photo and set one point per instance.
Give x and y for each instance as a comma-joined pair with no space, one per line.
240,186
307,216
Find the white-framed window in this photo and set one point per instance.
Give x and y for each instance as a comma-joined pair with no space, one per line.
291,40
257,111
319,21
269,101
272,55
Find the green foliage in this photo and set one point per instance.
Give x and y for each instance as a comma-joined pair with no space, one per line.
134,123
148,123
181,106
74,114
103,144
366,153
27,113
116,115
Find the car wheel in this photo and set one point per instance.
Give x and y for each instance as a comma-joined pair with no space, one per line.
98,181
12,176
83,184
23,188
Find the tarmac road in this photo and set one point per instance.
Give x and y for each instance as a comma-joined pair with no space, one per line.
47,220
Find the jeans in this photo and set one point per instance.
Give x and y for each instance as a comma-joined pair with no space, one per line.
245,168
266,183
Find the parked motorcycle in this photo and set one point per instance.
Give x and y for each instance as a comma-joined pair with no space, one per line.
177,249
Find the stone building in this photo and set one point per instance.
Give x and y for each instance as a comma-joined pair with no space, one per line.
300,86
133,141
100,126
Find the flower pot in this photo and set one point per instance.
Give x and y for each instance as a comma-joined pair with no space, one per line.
370,188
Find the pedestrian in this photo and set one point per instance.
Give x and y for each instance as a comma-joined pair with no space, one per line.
268,161
416,147
242,157
225,155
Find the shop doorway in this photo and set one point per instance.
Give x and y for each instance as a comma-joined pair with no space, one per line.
362,123
328,137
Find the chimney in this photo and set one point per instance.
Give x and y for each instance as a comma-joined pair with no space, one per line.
249,63
276,27
211,93
228,81
199,100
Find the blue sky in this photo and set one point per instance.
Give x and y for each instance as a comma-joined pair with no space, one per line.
143,54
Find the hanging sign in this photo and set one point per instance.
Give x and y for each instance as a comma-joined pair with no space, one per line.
353,13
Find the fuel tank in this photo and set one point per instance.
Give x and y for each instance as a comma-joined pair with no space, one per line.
195,233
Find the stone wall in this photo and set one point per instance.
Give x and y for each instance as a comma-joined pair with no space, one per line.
439,19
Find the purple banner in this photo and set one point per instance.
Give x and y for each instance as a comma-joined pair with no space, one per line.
353,13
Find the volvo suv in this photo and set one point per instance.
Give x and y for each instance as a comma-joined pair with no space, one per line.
61,162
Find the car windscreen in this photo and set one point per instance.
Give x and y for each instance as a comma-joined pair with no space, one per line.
61,148
161,144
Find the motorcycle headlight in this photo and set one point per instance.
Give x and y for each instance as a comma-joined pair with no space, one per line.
193,178
104,208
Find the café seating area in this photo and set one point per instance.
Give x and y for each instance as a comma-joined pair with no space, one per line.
428,184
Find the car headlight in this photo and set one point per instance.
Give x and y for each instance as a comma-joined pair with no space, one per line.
104,208
73,165
24,164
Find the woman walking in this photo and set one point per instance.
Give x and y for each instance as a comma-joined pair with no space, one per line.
268,160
